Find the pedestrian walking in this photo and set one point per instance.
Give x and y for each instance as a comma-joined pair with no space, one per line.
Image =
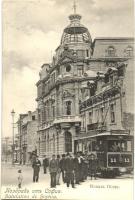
33,157
85,166
69,168
92,166
45,164
20,178
81,166
78,168
36,168
58,171
53,168
62,167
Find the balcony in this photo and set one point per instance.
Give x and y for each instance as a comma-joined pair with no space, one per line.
45,125
97,126
67,119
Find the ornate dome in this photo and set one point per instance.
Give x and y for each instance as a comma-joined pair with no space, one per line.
75,32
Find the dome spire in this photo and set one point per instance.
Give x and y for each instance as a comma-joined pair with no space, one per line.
74,17
74,6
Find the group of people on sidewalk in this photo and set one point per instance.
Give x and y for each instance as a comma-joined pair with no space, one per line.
74,169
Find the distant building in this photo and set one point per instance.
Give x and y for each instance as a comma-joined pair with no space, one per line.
64,85
27,129
6,149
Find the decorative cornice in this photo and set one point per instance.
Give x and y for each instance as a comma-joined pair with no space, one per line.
64,81
114,39
108,59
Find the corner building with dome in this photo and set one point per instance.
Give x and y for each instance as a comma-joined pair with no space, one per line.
65,84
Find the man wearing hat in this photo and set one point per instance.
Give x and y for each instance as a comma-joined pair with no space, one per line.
62,167
69,168
58,171
20,178
45,164
36,168
78,167
92,166
53,168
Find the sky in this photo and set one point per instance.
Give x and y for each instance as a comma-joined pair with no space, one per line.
31,31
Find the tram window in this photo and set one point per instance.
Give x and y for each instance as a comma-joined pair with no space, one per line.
112,112
101,146
114,146
90,117
129,148
93,145
89,147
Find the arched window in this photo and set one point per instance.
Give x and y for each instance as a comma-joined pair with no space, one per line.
39,145
57,143
48,110
112,113
129,51
48,142
68,142
68,68
53,143
45,143
68,106
111,51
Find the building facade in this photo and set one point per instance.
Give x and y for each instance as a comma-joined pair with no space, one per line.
27,129
6,149
106,111
65,84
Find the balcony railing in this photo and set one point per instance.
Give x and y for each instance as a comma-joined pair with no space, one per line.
67,118
96,126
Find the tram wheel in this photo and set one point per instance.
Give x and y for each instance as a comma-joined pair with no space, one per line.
108,173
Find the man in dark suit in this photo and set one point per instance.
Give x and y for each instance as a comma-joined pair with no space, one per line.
53,167
92,166
58,171
45,164
62,167
78,167
69,168
36,168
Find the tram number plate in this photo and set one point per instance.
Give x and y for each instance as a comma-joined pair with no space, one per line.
119,160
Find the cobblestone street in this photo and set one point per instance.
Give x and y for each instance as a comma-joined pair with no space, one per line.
89,188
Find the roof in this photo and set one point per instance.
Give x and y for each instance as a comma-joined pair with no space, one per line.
98,135
113,39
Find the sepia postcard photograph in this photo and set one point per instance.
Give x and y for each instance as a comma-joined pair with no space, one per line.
67,100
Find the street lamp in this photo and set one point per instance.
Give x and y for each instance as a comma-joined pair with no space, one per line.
13,114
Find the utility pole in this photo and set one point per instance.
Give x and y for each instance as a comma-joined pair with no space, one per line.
20,138
13,145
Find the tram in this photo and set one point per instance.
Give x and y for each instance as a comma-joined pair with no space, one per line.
114,152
